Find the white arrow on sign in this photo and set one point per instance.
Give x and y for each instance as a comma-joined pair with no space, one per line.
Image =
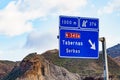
92,45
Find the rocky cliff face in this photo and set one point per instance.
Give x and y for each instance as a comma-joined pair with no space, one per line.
6,67
36,67
114,52
117,59
48,66
85,67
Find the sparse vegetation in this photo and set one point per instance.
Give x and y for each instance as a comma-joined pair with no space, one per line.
84,66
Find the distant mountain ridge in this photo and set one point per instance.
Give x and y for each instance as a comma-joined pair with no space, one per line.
83,66
114,51
49,66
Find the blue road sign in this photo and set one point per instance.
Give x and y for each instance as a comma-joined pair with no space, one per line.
81,41
89,23
68,21
78,44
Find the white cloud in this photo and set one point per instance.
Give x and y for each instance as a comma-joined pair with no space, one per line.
15,16
47,6
113,5
45,40
12,21
1,52
42,41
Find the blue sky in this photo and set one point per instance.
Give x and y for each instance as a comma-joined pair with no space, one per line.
28,26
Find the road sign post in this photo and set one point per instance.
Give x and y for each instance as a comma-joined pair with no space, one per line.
106,76
78,37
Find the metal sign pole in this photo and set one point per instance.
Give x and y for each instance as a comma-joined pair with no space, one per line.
105,58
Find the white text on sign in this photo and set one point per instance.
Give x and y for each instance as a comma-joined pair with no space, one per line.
72,35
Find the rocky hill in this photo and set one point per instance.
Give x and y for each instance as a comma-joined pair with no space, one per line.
85,67
48,66
6,67
117,59
36,67
114,51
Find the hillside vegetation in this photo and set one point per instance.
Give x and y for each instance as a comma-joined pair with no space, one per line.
49,66
83,66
